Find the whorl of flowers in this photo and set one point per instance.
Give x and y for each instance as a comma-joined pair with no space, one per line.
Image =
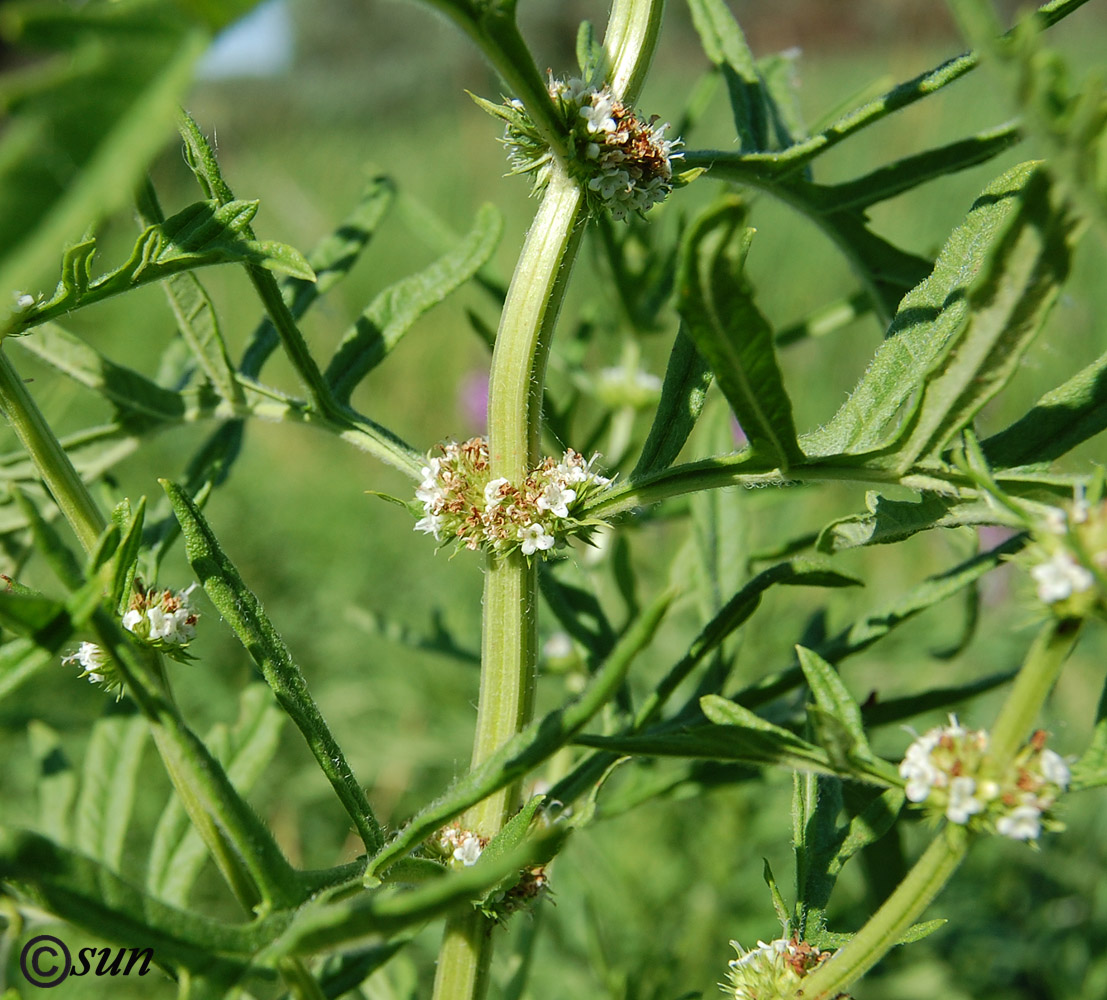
462,503
1068,559
771,971
623,161
462,846
160,618
947,768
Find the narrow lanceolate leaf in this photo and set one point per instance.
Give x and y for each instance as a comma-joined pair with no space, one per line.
687,379
243,612
1006,303
177,854
1063,418
118,72
109,779
989,258
726,47
203,234
331,259
391,314
832,696
719,314
194,311
56,784
87,894
20,661
126,389
61,558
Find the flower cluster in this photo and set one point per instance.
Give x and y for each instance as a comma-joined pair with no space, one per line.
623,162
771,971
947,768
461,502
161,618
1069,559
462,846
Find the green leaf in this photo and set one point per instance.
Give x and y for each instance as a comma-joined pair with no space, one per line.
243,612
195,313
726,47
683,393
1064,417
890,521
125,559
796,573
109,780
62,559
540,740
83,127
56,784
177,854
438,639
1005,305
331,259
834,699
390,315
20,661
591,57
201,235
87,894
719,314
985,296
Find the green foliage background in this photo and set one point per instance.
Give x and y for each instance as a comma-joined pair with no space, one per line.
647,899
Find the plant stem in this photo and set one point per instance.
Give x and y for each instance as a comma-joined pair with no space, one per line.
53,464
888,924
509,638
516,381
1032,685
938,863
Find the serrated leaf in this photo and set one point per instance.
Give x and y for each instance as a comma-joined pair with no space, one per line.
717,307
391,313
201,235
331,259
1006,304
195,314
109,780
243,612
1063,418
834,699
726,47
687,378
934,317
87,894
96,119
177,853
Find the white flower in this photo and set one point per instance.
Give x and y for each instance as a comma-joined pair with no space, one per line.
556,499
920,776
91,659
23,301
431,524
961,804
131,619
1054,769
1060,578
535,538
493,492
468,851
1022,823
173,626
162,616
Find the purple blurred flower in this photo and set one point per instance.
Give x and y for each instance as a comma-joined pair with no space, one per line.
472,399
739,435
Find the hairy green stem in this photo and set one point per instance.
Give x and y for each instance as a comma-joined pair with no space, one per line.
53,464
888,924
516,383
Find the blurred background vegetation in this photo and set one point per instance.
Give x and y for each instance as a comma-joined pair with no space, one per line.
645,901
